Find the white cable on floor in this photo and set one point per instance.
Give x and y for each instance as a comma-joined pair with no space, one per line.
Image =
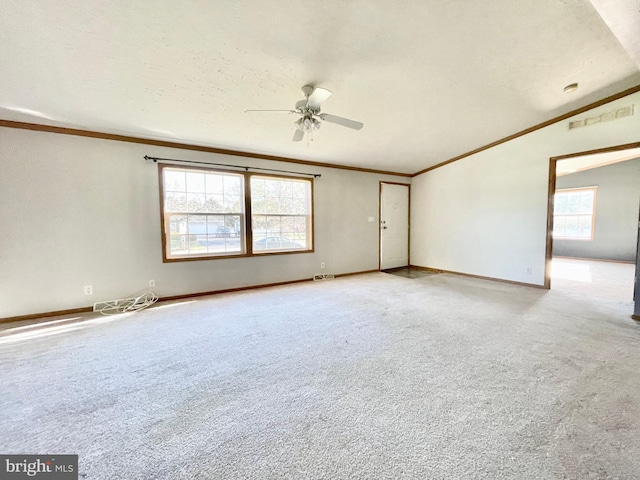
137,301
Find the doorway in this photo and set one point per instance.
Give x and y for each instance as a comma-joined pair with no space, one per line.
592,229
394,225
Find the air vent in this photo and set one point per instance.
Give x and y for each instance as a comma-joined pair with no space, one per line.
323,276
604,117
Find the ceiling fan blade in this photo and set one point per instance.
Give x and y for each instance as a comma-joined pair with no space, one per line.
289,111
298,135
316,98
345,122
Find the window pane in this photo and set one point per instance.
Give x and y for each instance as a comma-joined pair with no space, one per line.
300,190
586,201
232,185
572,226
257,187
196,224
299,206
213,223
175,202
232,203
573,202
195,182
559,226
177,234
214,183
281,214
205,196
286,205
271,188
584,226
287,225
275,232
215,203
175,180
560,204
195,202
258,204
273,225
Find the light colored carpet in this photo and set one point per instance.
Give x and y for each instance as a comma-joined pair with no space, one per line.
367,377
591,277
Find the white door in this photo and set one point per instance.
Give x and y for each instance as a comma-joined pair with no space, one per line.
394,225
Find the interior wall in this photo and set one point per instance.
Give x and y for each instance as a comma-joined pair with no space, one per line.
617,203
486,214
80,211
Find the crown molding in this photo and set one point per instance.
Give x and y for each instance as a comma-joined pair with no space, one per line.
577,111
185,146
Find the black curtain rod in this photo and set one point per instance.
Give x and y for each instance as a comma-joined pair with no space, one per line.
155,159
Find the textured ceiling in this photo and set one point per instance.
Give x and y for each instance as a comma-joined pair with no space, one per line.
429,79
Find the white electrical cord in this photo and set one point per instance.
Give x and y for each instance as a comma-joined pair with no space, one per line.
137,301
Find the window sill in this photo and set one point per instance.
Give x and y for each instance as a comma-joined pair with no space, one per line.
226,257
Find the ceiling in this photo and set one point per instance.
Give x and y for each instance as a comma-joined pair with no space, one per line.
595,160
429,79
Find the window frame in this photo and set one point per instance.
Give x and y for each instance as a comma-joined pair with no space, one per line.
594,189
246,231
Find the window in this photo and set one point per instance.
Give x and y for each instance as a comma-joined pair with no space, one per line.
280,213
574,212
212,214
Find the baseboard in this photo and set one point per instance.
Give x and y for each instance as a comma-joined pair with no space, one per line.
56,313
636,317
481,277
594,259
356,273
73,311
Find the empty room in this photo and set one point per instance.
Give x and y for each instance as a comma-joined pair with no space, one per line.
331,240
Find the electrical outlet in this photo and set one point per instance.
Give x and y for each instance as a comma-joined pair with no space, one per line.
152,283
529,271
322,265
88,289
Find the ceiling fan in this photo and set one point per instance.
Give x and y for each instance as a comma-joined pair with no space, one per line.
310,115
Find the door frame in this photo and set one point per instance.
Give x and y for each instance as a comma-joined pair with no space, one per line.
636,287
552,188
408,185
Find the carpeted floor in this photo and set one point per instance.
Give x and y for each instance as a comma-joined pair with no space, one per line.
592,277
409,272
367,377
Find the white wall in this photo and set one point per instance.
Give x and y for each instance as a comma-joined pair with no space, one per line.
78,211
486,214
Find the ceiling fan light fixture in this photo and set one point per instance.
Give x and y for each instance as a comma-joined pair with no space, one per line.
311,117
